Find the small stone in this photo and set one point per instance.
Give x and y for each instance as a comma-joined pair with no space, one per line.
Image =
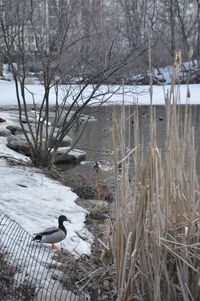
14,129
2,120
4,132
67,141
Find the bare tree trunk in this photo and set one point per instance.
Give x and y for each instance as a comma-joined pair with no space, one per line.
1,65
172,26
198,33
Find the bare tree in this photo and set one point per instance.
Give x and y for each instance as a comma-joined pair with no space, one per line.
50,34
171,25
197,4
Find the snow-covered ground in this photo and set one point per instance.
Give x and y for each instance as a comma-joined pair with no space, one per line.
133,94
35,201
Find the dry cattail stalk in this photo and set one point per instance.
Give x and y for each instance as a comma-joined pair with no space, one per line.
190,52
156,219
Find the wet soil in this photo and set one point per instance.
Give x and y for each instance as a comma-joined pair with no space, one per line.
94,274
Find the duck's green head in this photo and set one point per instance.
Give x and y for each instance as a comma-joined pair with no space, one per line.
62,218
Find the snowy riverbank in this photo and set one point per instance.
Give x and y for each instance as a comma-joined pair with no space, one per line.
35,201
133,94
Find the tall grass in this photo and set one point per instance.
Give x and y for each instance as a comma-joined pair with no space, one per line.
155,236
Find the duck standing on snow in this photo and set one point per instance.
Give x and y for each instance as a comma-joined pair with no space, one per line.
54,234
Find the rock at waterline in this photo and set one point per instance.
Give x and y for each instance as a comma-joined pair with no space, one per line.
15,130
81,119
64,155
67,140
2,120
4,132
19,144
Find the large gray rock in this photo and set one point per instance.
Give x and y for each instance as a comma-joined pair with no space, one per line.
64,155
67,141
30,119
61,119
4,132
15,130
19,144
33,120
85,118
2,120
81,120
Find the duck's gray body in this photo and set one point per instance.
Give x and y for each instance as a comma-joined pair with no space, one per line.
51,235
54,234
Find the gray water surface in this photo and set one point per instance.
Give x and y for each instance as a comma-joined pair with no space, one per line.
96,139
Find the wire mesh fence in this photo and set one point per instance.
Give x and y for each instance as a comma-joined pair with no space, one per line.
30,270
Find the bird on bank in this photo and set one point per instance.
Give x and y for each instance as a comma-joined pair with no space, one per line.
97,165
53,235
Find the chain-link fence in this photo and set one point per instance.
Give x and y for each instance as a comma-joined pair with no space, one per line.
30,270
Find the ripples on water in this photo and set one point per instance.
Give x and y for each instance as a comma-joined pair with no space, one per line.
96,139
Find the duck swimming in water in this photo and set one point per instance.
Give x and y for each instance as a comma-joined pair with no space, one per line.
54,234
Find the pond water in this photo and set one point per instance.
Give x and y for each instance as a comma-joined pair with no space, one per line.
96,139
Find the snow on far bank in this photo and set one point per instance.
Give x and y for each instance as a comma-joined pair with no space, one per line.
35,201
133,94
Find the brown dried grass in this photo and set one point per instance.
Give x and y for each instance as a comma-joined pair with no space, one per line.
155,236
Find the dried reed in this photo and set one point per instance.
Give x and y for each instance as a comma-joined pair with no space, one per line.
155,238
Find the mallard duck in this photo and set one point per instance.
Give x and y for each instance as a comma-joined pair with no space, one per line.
54,234
145,115
97,165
